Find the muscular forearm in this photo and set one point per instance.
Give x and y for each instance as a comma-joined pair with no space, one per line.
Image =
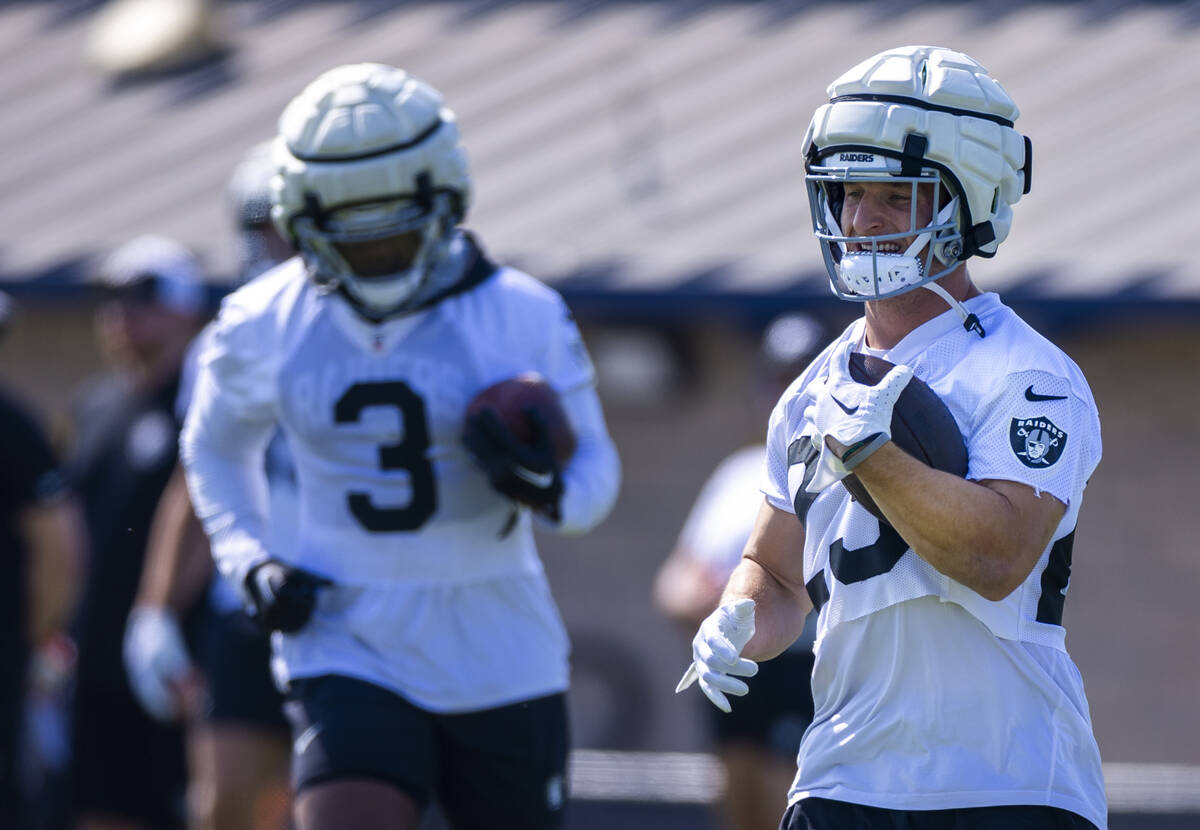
592,478
779,607
975,533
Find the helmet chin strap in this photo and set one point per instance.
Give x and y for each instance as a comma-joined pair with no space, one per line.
970,321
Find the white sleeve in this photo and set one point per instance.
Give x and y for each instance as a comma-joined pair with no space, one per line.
790,452
565,361
1039,429
189,372
592,478
775,482
229,423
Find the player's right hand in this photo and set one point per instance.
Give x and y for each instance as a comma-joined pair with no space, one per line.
157,662
715,653
854,414
283,596
528,474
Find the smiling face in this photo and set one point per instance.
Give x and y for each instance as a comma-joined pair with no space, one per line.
882,233
883,208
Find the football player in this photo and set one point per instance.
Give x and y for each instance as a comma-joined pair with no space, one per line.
237,735
423,654
944,693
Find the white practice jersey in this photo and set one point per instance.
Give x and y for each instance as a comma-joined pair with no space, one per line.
223,596
438,590
929,696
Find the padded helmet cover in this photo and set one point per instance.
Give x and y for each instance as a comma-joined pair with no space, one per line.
964,115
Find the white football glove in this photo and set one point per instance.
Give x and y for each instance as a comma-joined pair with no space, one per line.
715,649
156,661
856,415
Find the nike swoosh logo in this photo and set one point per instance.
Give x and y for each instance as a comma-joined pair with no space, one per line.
542,480
844,408
1030,395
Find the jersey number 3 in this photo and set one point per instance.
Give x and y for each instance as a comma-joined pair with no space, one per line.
410,454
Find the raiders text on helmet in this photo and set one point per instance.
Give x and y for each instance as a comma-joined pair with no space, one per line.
926,116
368,152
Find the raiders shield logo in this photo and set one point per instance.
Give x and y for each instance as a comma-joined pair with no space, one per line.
1037,442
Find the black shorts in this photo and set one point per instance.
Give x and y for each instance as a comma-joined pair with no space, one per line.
503,767
124,764
235,656
823,814
777,710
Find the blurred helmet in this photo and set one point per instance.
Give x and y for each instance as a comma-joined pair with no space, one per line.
249,197
789,343
367,156
928,117
249,188
154,270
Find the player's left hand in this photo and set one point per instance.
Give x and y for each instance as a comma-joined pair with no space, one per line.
526,473
857,417
157,662
716,651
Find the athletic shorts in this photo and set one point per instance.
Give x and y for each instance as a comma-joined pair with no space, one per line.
777,710
823,814
235,656
502,767
124,764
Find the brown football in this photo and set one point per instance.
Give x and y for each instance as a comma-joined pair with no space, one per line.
513,398
922,426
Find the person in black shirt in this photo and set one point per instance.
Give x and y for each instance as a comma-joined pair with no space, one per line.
128,770
41,554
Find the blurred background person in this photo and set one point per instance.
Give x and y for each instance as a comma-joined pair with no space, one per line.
237,737
756,742
424,655
127,769
41,550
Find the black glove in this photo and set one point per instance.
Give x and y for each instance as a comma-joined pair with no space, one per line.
283,596
526,473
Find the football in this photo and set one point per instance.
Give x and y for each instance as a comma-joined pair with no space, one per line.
922,426
512,398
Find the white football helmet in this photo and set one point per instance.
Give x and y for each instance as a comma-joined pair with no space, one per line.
368,153
249,197
926,116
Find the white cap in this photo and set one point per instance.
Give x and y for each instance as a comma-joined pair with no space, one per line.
170,272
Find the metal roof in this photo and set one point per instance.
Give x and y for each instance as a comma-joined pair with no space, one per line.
621,146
